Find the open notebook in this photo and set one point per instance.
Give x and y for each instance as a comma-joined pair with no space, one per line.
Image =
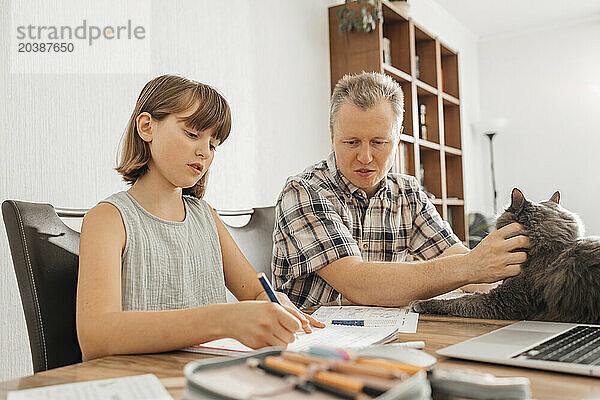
381,325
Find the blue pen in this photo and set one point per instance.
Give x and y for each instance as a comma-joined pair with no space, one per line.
268,288
351,322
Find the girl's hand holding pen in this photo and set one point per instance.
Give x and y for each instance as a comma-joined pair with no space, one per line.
282,299
261,323
306,320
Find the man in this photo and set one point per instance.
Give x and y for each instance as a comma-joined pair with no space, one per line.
345,225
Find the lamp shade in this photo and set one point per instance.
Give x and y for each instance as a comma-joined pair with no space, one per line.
495,125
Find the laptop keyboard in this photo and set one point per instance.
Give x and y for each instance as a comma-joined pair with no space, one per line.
578,345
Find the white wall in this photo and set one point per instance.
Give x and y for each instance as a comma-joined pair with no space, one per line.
545,82
60,132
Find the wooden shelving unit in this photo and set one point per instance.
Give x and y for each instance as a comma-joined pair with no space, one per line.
427,71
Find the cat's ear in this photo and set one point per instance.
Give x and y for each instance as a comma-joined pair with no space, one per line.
555,197
517,200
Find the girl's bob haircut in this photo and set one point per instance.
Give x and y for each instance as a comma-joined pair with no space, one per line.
171,94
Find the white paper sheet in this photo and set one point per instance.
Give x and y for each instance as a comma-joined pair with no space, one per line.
373,316
337,336
408,323
452,295
225,346
381,323
343,336
141,387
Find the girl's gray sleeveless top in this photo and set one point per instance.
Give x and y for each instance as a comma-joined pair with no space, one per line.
169,265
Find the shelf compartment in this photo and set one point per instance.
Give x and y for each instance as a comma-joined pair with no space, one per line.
432,178
456,219
396,28
449,71
398,75
406,158
424,87
430,102
405,83
425,48
408,111
452,134
454,176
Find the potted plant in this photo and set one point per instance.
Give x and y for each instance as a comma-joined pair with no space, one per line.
364,19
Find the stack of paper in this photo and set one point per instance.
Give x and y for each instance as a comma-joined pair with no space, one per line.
381,325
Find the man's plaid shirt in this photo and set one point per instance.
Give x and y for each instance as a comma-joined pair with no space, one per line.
321,217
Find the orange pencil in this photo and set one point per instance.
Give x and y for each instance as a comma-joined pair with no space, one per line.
395,365
304,358
333,379
349,367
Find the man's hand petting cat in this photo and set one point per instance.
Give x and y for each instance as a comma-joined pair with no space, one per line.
495,257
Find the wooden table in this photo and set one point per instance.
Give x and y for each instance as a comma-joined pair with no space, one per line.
436,331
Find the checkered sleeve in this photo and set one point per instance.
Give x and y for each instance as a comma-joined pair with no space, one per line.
309,233
431,235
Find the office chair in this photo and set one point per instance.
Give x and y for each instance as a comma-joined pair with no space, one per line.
45,255
255,239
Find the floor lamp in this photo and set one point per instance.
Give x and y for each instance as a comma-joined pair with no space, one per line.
490,136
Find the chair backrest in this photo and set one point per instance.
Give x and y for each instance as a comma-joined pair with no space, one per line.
45,255
255,238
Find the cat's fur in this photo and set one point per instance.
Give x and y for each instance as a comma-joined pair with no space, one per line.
560,281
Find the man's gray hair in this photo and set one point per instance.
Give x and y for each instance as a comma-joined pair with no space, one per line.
365,90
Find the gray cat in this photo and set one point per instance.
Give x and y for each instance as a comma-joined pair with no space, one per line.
560,281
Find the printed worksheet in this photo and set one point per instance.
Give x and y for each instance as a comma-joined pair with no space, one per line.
405,321
141,387
343,336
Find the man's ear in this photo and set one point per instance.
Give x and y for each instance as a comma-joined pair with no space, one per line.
144,124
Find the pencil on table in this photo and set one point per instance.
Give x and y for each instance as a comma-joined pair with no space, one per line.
394,365
325,377
348,367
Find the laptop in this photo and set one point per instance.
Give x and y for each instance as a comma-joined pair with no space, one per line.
554,346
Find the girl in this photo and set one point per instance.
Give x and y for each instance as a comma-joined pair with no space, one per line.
154,260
